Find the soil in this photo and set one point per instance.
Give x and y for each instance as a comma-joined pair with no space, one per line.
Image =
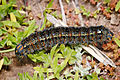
37,6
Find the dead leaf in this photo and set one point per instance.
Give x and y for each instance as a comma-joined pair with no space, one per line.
117,63
113,4
55,6
93,2
102,8
39,15
101,66
119,10
99,55
106,14
114,19
54,21
87,23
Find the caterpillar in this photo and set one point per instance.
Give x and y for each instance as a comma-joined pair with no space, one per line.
47,38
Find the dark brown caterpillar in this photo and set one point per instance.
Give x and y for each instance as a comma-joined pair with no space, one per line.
63,35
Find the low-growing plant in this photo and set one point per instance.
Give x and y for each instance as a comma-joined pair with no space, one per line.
10,29
4,61
56,64
6,9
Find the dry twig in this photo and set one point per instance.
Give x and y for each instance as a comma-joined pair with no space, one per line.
63,12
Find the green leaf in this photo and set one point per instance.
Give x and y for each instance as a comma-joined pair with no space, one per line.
52,52
1,46
1,63
101,78
82,8
86,13
95,76
62,48
55,66
64,63
3,2
117,7
50,77
9,43
20,18
44,58
6,9
97,0
1,24
11,38
32,57
89,77
3,42
70,78
45,19
18,36
108,9
15,24
59,55
6,61
55,61
12,17
28,76
36,57
117,41
30,29
21,77
11,23
72,61
24,76
7,23
57,71
58,68
1,32
107,1
50,4
68,51
35,77
12,1
40,70
77,76
48,11
54,14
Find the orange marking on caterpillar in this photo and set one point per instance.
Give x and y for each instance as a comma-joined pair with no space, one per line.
21,48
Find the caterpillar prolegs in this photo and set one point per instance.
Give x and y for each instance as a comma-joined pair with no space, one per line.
47,38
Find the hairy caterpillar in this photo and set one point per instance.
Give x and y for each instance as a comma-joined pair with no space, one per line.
47,38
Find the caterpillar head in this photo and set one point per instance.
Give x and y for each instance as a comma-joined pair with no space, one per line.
19,51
